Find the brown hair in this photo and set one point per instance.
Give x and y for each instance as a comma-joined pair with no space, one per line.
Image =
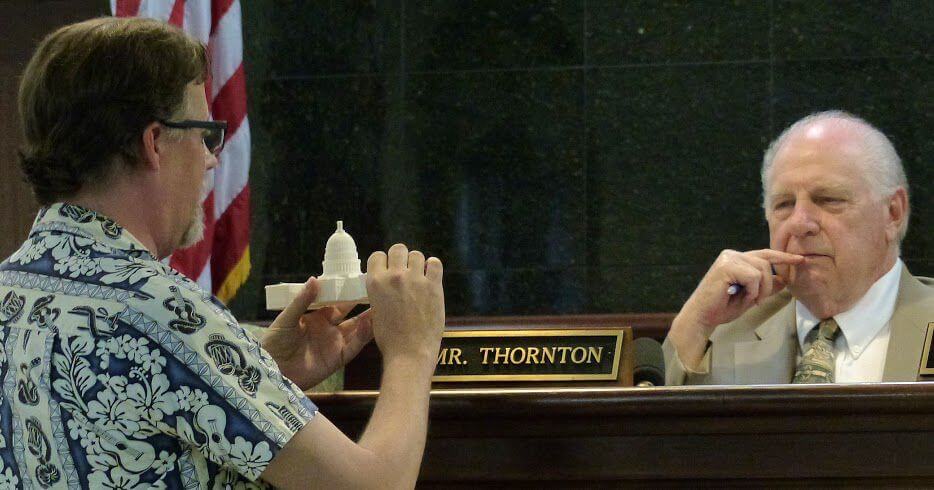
90,90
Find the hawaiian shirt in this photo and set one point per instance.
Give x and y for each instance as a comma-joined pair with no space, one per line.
118,372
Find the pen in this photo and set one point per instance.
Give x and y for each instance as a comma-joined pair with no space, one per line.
736,287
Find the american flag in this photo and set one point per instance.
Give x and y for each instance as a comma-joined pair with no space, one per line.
220,262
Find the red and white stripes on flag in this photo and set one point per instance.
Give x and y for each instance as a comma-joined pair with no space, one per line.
221,261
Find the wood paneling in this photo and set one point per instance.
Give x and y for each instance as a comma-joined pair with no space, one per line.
869,434
24,23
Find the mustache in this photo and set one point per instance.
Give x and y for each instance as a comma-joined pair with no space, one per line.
810,249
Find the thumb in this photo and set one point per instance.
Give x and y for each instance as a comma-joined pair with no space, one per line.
288,318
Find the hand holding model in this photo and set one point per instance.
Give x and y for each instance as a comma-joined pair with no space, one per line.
407,305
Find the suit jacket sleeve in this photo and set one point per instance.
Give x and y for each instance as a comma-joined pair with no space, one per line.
675,372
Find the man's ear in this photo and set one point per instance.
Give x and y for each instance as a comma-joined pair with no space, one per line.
897,213
151,145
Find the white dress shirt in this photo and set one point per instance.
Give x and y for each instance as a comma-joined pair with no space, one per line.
865,329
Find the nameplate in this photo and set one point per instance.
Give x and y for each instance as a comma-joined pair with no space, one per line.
530,355
927,360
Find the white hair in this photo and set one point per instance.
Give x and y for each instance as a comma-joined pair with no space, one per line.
882,167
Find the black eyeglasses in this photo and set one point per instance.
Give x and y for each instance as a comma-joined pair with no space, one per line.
213,135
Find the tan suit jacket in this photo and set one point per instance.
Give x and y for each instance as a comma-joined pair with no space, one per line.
761,346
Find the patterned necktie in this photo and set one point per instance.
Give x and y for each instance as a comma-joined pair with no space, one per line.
817,364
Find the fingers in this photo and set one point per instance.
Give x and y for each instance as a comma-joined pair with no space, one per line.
398,257
293,312
764,269
783,261
357,332
362,321
777,256
782,271
434,269
337,313
749,276
712,303
775,277
376,262
416,262
756,272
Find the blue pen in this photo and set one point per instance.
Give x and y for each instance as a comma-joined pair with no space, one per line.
736,287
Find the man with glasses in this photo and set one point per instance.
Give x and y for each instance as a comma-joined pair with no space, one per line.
830,300
116,371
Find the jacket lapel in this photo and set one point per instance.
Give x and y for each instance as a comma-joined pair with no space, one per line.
771,358
909,327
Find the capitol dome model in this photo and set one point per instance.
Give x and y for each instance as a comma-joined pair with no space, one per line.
341,282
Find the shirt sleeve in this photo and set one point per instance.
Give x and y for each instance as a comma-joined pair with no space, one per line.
234,404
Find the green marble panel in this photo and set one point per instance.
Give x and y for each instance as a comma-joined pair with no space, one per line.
302,39
674,163
656,32
491,34
834,30
500,160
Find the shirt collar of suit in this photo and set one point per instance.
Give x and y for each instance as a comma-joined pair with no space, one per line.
861,323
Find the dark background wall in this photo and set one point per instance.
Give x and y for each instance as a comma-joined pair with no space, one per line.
560,156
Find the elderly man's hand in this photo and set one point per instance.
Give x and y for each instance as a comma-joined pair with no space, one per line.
711,304
308,347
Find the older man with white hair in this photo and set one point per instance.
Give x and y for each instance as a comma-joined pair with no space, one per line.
829,300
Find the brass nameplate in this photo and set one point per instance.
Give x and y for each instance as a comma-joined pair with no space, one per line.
529,355
927,359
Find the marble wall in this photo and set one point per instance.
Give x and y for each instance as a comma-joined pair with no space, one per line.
560,156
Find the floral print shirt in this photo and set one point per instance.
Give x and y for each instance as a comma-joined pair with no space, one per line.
118,372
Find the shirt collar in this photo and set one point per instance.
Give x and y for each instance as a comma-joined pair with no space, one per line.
90,224
861,323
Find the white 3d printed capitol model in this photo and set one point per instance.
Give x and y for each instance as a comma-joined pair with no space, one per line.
341,282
